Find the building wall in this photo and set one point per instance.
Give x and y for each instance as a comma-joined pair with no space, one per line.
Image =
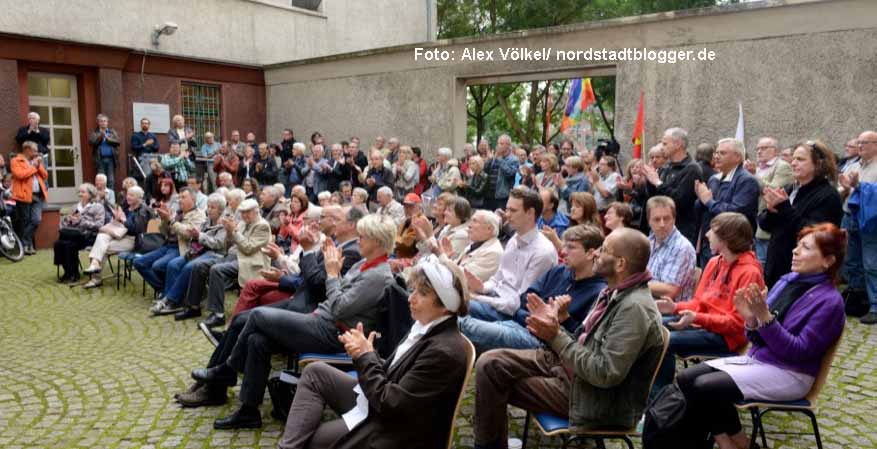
251,31
801,68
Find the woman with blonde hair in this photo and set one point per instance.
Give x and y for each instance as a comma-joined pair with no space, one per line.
406,171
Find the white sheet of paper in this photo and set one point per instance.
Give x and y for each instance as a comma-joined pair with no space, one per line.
359,412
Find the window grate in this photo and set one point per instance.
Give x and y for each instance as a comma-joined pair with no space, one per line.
201,108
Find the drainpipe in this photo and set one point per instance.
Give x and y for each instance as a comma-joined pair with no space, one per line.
430,20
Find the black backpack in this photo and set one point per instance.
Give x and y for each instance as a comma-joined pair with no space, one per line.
666,424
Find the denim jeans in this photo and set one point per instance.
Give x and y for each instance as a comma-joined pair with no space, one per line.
152,266
686,342
869,261
106,166
853,270
482,311
761,246
179,272
487,335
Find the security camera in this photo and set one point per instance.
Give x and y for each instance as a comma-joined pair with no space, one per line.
168,28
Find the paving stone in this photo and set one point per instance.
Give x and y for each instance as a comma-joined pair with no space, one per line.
92,369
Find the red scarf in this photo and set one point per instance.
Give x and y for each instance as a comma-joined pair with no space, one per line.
373,263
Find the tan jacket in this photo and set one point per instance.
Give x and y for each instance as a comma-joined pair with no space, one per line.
780,175
249,240
191,220
484,261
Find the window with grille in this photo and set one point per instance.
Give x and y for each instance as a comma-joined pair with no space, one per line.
201,108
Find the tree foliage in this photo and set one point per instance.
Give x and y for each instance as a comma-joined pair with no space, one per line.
521,109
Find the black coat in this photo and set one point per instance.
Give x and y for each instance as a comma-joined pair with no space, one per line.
40,138
412,403
816,202
677,182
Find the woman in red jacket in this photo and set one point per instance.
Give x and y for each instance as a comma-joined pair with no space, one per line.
709,323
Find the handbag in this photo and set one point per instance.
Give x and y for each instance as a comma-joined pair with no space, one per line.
114,229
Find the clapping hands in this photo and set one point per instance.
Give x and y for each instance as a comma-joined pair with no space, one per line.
355,343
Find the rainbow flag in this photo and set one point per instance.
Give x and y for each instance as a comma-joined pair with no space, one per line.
581,95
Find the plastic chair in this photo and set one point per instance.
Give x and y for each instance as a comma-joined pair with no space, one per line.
806,405
551,425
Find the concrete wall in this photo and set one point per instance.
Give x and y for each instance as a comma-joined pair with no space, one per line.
250,31
802,69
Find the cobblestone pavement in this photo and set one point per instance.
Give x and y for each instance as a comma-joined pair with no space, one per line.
91,369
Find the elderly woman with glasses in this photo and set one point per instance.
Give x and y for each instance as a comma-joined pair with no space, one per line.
78,230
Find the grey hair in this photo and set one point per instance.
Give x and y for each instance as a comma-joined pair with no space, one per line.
271,190
360,192
678,135
490,218
225,175
324,195
101,176
238,194
217,199
504,137
300,146
91,189
380,228
100,116
137,191
736,145
386,191
33,114
445,151
222,191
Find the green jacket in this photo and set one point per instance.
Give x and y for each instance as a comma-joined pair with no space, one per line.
613,370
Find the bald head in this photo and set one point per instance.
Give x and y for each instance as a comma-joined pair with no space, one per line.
868,145
632,246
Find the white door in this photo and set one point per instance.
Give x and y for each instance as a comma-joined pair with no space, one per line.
53,97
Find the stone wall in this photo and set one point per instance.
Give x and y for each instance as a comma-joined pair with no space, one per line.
801,68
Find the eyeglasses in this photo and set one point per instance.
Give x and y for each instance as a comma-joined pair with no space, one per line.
865,142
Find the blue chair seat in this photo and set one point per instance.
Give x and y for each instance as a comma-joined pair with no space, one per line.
551,423
353,374
340,357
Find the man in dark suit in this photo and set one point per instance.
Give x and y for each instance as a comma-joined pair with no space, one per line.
35,133
731,189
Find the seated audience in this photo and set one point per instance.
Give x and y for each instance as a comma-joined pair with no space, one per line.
389,207
178,164
291,224
110,239
597,377
406,171
810,199
790,330
552,223
351,302
457,215
152,266
206,243
527,256
78,230
406,236
572,285
359,199
272,209
618,215
604,181
103,193
672,256
474,185
709,323
398,400
480,257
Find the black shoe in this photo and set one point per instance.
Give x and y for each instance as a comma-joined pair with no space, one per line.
210,334
221,374
186,314
244,418
215,320
869,318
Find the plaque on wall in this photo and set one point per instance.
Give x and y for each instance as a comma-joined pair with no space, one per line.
159,116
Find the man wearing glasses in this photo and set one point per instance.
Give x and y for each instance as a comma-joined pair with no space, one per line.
771,171
860,267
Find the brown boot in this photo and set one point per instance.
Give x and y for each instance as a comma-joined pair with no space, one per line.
202,395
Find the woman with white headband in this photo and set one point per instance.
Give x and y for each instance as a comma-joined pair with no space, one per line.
407,400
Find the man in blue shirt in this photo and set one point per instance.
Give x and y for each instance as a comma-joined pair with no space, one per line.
144,146
573,286
550,216
501,171
105,144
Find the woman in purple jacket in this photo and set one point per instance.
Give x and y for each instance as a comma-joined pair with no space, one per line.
790,330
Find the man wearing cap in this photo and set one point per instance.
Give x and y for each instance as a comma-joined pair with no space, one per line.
258,333
248,237
406,238
389,206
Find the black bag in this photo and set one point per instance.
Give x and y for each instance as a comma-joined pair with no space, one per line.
281,393
394,318
665,424
150,242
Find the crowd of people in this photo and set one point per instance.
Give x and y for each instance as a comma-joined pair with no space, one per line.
560,264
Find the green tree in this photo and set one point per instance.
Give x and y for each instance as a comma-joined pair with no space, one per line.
521,109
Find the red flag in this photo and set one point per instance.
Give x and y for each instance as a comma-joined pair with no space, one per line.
638,130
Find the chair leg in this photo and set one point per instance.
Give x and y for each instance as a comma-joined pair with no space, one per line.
815,428
118,272
755,425
628,442
601,444
761,428
526,430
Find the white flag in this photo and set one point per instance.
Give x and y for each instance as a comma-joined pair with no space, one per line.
739,134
